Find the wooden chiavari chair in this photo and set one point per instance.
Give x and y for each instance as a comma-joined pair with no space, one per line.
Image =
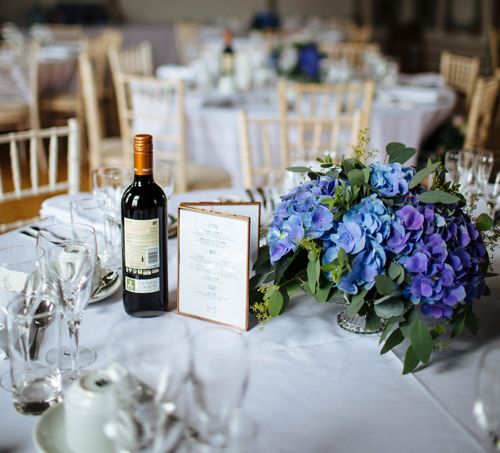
494,44
157,107
481,112
460,73
55,183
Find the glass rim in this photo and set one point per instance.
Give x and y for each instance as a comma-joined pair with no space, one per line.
90,198
40,253
46,229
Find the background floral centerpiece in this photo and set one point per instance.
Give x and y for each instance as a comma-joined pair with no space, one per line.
299,61
408,260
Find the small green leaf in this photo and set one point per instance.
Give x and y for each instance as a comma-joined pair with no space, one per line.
438,196
390,308
263,259
356,177
458,325
275,303
282,265
372,321
471,321
367,171
342,257
385,285
323,290
292,287
411,361
390,323
421,341
394,339
313,271
422,174
398,152
394,270
299,169
484,222
357,302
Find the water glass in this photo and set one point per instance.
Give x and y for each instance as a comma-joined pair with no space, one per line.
465,167
33,330
220,378
21,268
155,368
487,404
451,164
482,169
164,176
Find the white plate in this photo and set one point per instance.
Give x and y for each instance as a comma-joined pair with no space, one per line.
107,292
48,434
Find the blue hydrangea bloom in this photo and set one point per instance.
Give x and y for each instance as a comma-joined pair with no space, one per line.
390,179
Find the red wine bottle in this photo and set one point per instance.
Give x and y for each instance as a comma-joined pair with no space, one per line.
144,237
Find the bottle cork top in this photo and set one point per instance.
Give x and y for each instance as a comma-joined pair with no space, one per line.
143,143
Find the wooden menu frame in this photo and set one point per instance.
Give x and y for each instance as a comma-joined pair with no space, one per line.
230,315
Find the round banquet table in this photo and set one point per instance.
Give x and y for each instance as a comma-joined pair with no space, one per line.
213,127
314,387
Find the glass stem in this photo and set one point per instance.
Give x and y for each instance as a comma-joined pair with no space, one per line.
74,331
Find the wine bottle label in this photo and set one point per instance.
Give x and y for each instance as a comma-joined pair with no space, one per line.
142,255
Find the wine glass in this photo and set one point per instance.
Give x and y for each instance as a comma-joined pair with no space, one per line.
219,377
164,176
487,404
71,265
451,164
68,233
482,169
21,271
153,368
465,168
492,196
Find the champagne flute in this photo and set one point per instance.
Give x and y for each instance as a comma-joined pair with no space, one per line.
68,233
72,267
487,404
482,169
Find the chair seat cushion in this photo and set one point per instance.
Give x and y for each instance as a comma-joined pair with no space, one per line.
202,177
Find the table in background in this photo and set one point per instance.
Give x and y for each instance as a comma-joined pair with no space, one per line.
314,387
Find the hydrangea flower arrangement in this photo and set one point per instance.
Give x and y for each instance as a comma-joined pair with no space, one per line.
299,61
408,259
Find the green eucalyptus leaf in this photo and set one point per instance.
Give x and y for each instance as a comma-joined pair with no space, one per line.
276,303
458,325
484,222
389,325
438,196
390,308
411,361
399,153
367,171
292,287
385,285
342,257
356,177
263,260
299,169
357,302
282,265
372,321
421,341
313,271
323,290
394,339
471,321
422,174
394,270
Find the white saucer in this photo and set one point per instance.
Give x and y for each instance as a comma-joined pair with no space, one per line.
107,292
48,434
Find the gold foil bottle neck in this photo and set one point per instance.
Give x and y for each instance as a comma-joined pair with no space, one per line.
143,143
143,154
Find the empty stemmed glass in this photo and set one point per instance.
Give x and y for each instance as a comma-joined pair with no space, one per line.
153,370
492,196
220,378
71,265
465,168
483,167
487,404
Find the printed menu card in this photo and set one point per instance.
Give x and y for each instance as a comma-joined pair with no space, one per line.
217,246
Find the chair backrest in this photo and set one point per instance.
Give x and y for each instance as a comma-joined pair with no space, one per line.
97,48
352,52
481,112
359,33
460,72
494,42
19,79
91,108
135,60
52,33
154,106
326,100
305,139
187,41
54,182
261,152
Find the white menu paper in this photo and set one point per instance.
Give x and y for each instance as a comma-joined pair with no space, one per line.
213,265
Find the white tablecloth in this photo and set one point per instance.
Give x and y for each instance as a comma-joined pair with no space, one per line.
213,132
316,388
